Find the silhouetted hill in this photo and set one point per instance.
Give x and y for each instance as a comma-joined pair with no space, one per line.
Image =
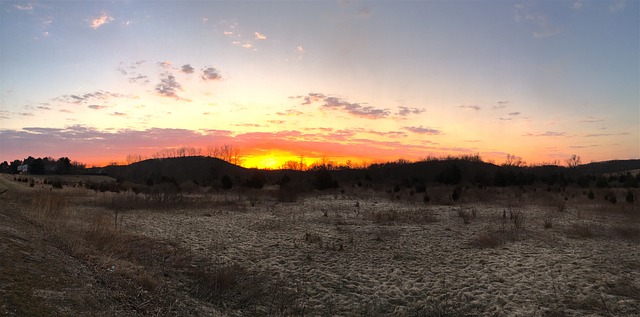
607,167
199,169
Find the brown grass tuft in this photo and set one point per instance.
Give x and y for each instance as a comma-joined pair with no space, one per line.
49,204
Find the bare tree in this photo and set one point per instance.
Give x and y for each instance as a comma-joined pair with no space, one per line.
513,160
573,161
133,158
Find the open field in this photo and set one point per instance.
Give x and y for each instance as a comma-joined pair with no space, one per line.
495,252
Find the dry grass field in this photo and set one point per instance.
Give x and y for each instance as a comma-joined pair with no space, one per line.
532,251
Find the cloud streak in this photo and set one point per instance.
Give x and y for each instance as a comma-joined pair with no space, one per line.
423,130
338,104
405,111
546,134
472,107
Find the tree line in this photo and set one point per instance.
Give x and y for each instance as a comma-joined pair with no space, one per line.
42,165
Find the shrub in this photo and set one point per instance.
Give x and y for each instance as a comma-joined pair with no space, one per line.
611,197
387,216
288,193
517,217
456,193
629,197
256,181
253,197
466,217
324,180
487,240
581,230
226,182
591,195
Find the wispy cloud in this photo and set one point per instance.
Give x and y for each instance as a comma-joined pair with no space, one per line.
546,134
118,114
260,36
472,107
525,12
290,112
596,135
355,109
577,5
516,113
88,97
590,119
423,130
617,5
23,7
405,111
96,107
501,105
352,108
583,146
131,70
165,64
100,20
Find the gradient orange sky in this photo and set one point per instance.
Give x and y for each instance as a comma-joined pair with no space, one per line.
345,80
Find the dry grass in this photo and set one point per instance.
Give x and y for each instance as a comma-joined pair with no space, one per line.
248,281
511,229
49,204
416,216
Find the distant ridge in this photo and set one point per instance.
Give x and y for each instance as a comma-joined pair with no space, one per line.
206,171
613,166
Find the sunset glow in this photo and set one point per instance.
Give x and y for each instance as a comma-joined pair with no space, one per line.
357,81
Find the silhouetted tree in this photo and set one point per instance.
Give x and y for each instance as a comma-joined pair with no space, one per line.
13,167
4,167
36,166
324,180
63,165
573,161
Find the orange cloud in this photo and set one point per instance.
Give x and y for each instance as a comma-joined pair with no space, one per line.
101,20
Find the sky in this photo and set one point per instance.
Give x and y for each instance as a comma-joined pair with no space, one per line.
365,81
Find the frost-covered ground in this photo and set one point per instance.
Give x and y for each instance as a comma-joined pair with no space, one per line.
370,256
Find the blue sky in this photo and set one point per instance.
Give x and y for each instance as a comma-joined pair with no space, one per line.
359,80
